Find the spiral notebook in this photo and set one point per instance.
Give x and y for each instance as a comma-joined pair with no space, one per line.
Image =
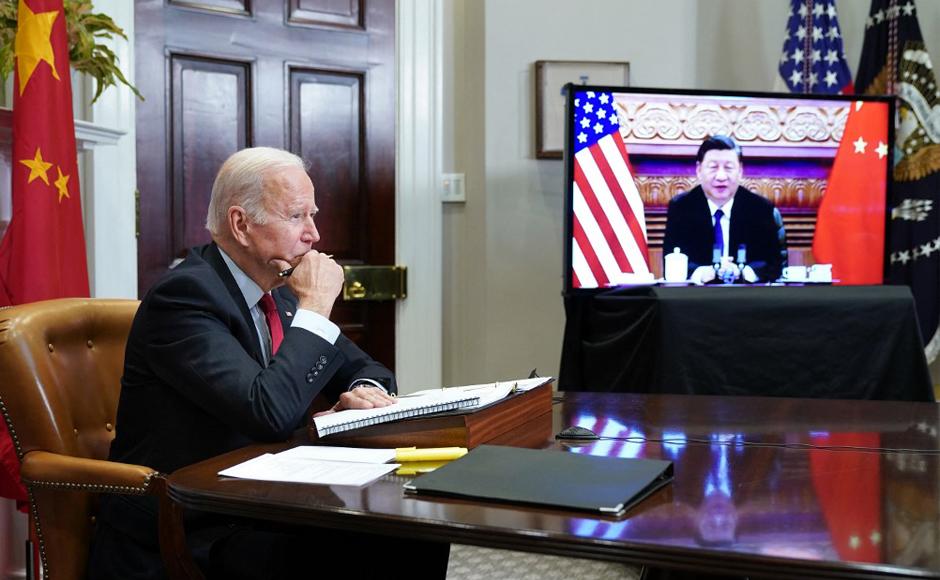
404,408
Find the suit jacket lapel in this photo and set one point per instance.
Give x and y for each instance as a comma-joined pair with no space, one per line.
214,258
703,222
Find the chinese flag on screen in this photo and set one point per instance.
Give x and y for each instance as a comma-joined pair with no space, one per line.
42,254
850,228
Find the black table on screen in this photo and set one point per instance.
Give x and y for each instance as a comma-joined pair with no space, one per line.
834,342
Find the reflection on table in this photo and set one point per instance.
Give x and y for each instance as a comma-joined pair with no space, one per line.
773,489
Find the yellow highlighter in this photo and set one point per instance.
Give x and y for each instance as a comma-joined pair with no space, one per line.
411,454
419,467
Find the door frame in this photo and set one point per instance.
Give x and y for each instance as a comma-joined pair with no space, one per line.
418,227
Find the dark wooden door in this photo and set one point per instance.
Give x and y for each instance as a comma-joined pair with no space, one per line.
312,76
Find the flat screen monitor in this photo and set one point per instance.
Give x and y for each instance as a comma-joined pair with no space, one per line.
809,176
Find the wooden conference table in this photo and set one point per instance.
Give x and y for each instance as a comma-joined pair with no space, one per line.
765,487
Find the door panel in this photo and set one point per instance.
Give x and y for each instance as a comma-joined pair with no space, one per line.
209,122
326,12
313,76
326,131
230,6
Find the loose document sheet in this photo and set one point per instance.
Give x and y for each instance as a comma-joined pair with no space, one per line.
319,465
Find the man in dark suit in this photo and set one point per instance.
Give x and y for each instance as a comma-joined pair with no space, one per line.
222,355
714,219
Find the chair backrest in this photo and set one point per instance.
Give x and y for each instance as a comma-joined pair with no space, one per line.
61,364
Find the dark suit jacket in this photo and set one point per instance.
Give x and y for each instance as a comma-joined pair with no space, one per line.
689,227
195,384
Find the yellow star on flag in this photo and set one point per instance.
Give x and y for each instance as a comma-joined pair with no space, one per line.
37,168
33,42
62,184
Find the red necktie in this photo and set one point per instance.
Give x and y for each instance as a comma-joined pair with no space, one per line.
274,321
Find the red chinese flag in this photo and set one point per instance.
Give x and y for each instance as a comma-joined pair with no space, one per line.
42,255
850,228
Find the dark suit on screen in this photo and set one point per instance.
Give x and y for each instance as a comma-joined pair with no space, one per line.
689,227
195,386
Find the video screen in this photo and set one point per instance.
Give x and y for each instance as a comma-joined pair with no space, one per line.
695,187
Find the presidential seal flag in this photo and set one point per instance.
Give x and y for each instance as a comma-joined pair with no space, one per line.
813,60
609,228
895,61
42,254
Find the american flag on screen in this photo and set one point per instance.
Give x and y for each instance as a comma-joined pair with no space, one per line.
813,60
608,227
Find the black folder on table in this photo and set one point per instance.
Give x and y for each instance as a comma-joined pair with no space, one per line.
608,485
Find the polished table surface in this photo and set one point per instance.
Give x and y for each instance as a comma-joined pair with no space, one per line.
829,342
765,487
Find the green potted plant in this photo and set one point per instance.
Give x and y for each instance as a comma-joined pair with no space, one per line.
86,53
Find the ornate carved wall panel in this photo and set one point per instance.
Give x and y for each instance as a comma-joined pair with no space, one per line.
656,191
786,192
210,120
666,123
344,13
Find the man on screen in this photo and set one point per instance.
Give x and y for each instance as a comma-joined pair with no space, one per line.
718,223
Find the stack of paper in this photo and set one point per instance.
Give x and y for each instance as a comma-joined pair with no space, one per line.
321,465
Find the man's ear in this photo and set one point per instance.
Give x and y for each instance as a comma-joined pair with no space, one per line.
239,224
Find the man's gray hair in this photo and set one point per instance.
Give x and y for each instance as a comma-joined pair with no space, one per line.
240,181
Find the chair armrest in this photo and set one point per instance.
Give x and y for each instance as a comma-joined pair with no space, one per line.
52,470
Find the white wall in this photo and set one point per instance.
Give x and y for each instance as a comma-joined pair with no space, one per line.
502,250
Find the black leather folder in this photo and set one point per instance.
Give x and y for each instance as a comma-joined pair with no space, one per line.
606,485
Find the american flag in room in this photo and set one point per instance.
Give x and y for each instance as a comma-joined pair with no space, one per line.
813,59
608,226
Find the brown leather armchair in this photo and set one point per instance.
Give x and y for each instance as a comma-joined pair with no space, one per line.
62,362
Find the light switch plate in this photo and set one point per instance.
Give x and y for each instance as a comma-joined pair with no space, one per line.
452,188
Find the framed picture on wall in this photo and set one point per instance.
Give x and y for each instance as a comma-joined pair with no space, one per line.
550,78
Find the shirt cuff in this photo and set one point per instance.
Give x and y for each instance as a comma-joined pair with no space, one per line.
367,383
317,324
